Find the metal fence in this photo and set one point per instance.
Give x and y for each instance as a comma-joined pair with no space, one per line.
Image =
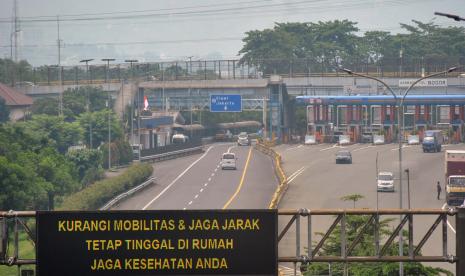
16,221
226,69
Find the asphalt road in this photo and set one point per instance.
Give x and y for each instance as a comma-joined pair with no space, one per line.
198,182
316,182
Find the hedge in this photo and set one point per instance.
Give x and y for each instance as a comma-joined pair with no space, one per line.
99,193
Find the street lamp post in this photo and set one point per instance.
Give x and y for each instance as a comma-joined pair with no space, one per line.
400,105
408,187
109,109
132,61
88,100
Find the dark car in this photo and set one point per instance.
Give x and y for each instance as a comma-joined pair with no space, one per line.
343,156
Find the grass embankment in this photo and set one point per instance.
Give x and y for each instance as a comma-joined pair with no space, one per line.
99,193
26,251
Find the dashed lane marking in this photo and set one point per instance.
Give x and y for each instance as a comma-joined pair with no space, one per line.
176,179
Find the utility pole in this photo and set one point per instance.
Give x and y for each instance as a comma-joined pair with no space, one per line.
109,109
132,61
88,100
60,109
16,28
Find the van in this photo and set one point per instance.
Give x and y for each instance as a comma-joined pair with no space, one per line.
179,139
432,141
228,161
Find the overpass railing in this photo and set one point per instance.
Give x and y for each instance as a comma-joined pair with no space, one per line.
303,220
225,69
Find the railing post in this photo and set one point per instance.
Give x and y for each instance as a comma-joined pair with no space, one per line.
460,241
3,238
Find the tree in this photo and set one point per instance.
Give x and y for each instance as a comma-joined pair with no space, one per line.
62,134
4,111
305,47
353,197
88,163
32,171
99,122
324,42
76,101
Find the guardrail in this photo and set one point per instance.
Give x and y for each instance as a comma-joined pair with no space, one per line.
282,186
303,220
171,154
115,200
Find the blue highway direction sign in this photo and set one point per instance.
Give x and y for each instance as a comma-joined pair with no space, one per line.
225,103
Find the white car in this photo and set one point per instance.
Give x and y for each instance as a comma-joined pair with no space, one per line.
310,140
378,139
243,139
385,182
228,161
413,140
344,140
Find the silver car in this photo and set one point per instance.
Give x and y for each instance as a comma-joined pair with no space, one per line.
385,182
243,139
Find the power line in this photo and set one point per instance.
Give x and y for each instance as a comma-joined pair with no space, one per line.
209,12
141,11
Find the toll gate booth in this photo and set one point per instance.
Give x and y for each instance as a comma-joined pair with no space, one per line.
354,115
354,125
457,118
319,121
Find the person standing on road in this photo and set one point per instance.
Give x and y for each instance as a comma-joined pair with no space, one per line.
438,186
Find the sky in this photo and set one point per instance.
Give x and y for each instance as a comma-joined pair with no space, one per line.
169,30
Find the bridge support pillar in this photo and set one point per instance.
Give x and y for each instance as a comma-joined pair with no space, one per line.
460,241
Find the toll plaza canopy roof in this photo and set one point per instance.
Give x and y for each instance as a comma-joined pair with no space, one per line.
382,100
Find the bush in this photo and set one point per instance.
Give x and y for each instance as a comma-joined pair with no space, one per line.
97,194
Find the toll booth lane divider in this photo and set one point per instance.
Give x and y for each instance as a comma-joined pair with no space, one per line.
283,183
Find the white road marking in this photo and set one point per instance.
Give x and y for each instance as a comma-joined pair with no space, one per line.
335,145
216,169
296,174
213,174
209,179
230,148
201,190
446,145
205,185
292,175
190,202
448,224
176,179
404,146
364,148
294,148
184,208
196,196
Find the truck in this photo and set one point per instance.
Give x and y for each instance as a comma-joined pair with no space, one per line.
455,177
432,141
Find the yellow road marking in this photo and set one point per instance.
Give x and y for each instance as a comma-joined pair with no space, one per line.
240,183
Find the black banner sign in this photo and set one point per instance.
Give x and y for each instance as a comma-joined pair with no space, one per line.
197,242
